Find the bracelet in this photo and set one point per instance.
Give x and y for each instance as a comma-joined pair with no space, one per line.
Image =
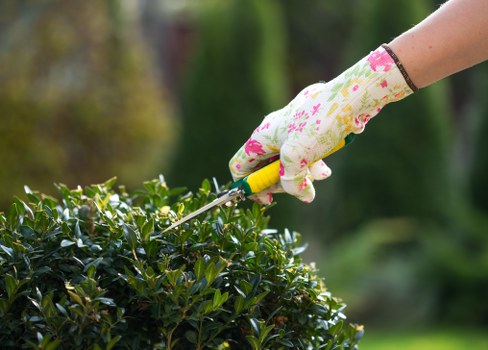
402,70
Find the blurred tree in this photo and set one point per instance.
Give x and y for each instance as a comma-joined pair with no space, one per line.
317,31
78,98
235,78
479,173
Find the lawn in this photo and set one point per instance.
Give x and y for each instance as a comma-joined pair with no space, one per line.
425,340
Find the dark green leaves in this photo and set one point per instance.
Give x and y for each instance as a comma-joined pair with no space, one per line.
94,270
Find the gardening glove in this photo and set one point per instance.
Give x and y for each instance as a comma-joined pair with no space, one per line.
317,119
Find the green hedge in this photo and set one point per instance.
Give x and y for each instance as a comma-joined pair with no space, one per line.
94,270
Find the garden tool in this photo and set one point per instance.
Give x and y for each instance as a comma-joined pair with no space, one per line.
253,183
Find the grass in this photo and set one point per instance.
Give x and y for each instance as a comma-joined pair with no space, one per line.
452,339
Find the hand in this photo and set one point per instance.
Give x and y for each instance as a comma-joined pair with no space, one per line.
316,120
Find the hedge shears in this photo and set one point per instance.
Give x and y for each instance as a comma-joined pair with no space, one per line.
253,183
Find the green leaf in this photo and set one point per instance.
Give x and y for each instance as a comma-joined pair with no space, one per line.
218,298
258,298
254,342
255,326
66,243
77,229
130,236
264,332
173,275
61,309
76,298
4,306
110,182
52,345
147,229
112,342
239,304
12,215
11,285
199,268
246,287
206,187
210,273
106,301
191,336
9,251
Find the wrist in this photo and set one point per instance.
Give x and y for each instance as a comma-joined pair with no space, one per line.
366,87
400,67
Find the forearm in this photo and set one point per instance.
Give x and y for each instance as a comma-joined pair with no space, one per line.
451,39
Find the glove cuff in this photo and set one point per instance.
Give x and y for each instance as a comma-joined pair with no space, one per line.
400,67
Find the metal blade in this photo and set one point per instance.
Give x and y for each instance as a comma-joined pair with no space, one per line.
225,197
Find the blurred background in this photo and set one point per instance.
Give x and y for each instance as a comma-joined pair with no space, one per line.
95,89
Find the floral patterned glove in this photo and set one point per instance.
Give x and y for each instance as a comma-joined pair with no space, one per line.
317,119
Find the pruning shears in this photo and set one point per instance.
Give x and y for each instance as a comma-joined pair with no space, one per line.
253,183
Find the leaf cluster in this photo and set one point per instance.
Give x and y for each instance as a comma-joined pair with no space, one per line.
93,270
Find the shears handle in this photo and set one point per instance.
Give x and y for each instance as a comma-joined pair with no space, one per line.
269,175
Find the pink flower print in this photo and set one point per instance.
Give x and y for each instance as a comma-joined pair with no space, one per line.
282,170
301,126
298,115
355,87
270,197
273,158
303,185
315,109
303,163
380,59
361,120
317,122
238,166
265,126
253,146
384,84
291,128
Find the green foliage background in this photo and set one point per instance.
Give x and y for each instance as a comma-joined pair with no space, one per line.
234,78
79,100
91,90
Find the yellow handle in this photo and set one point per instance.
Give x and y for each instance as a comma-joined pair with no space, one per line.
269,175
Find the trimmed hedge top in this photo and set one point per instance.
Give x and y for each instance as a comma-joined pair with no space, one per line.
94,271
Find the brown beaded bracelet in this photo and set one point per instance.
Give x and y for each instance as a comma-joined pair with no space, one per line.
400,67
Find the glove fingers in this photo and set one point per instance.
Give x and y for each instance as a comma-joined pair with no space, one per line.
316,172
299,186
266,196
295,174
319,171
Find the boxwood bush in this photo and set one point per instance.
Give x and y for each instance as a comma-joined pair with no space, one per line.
93,270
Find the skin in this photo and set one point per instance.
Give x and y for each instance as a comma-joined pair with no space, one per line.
451,39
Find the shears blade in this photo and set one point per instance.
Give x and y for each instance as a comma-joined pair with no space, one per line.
233,195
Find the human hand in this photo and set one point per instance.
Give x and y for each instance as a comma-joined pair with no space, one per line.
316,120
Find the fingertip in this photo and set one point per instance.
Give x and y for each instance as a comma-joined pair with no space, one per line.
300,187
320,171
263,198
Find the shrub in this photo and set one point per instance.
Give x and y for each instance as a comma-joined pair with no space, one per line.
94,270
